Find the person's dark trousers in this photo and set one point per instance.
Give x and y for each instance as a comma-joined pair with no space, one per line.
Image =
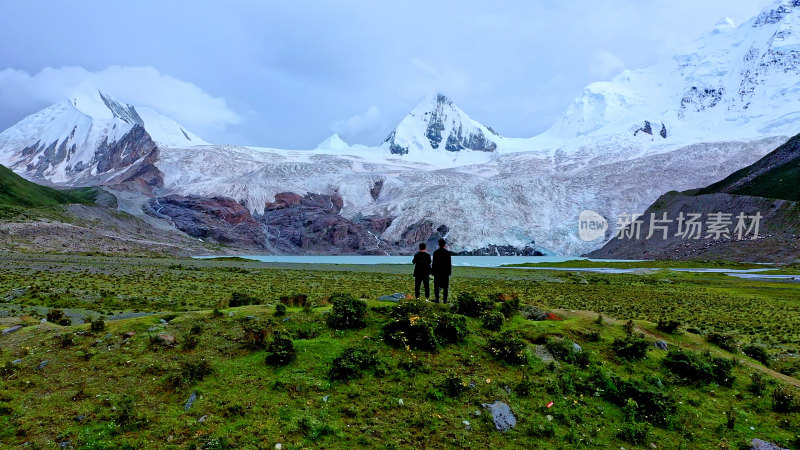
424,280
443,283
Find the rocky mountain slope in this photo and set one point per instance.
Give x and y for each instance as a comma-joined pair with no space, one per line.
681,124
768,188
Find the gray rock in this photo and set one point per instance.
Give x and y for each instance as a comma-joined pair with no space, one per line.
16,361
153,329
576,348
466,424
758,444
202,419
502,416
396,297
12,329
190,401
43,364
163,321
325,399
661,345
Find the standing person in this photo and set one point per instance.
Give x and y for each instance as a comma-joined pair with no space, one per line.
442,268
422,271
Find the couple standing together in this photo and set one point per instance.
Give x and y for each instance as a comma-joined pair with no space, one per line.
441,268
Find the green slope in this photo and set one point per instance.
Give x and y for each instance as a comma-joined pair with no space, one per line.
17,191
777,175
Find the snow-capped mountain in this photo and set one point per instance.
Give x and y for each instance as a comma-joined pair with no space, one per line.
87,139
684,123
736,82
438,124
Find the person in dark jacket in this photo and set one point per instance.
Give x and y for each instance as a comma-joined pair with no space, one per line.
442,268
422,271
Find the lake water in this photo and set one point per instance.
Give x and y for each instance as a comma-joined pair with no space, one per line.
462,261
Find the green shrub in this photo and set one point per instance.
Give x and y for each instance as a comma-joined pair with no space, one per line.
453,385
723,341
510,307
97,326
668,326
785,400
280,310
255,335
524,387
507,347
280,350
567,351
541,428
190,372
631,348
634,432
628,327
348,312
57,316
241,299
652,405
411,331
758,353
295,300
493,321
468,304
694,368
352,363
759,383
451,328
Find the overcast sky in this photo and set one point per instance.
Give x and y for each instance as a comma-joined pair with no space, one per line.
289,73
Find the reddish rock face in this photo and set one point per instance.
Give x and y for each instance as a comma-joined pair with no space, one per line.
284,200
219,219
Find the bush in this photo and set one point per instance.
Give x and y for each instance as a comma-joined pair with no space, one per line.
453,385
255,335
566,350
524,387
634,432
468,304
57,316
241,299
507,347
510,307
493,321
785,400
352,364
451,328
295,300
348,312
190,372
191,338
631,348
628,327
651,405
759,383
413,332
758,353
98,326
280,350
280,310
668,326
699,369
723,341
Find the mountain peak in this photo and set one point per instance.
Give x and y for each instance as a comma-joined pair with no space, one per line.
437,124
776,12
333,142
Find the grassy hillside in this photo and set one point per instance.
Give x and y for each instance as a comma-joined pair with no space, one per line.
777,175
323,375
17,191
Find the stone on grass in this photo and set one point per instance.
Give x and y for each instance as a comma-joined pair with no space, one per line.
167,340
661,345
758,444
190,401
502,416
12,329
43,364
467,426
576,348
396,297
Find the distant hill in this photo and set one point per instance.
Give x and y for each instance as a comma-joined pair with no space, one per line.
17,191
770,187
777,175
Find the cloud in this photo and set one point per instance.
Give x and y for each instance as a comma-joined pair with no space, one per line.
605,65
365,123
22,93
